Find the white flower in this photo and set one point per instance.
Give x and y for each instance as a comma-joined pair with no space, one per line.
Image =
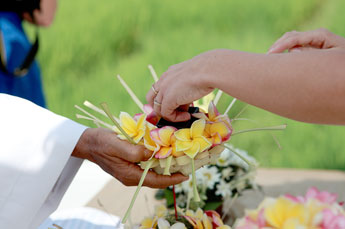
178,188
164,224
227,173
209,175
233,159
187,186
224,157
223,189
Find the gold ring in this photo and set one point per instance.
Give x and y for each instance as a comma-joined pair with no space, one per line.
156,103
154,90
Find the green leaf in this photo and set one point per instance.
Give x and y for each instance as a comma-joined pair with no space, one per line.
212,205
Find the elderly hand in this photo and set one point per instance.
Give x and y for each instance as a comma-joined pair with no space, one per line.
43,16
181,85
118,158
302,41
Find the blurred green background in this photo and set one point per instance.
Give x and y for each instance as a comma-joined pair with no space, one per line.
92,41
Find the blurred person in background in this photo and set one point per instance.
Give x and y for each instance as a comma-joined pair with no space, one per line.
19,72
306,84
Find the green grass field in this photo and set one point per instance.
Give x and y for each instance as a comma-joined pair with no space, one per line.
92,41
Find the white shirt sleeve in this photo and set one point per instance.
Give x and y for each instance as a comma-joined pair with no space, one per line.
36,166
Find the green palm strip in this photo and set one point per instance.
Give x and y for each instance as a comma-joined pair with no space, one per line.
281,127
107,111
195,189
128,212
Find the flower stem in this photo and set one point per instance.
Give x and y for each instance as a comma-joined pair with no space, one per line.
281,127
128,212
195,189
107,111
175,205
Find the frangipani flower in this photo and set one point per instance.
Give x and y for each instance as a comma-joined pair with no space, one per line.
191,141
213,115
134,128
148,223
283,212
217,132
164,137
149,143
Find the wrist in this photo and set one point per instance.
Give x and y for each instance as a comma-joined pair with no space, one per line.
215,68
85,145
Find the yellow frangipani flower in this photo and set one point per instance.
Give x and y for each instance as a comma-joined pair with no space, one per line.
191,141
280,211
134,128
161,211
217,132
165,138
148,142
148,223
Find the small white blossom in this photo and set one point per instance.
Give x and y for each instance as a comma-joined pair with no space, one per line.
223,189
178,188
226,173
187,186
209,175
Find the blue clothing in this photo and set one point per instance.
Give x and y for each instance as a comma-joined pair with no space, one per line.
16,46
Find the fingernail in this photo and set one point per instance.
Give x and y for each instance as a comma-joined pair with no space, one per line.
147,154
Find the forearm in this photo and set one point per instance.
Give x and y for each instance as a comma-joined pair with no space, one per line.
305,86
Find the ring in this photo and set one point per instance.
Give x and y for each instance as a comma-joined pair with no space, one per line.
154,90
156,103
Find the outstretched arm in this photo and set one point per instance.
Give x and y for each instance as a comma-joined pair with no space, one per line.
307,86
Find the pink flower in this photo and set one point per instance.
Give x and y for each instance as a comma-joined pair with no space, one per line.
254,223
151,115
332,220
313,193
323,197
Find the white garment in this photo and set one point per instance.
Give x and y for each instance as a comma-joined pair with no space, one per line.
36,166
82,218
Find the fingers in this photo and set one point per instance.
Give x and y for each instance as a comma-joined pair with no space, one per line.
130,174
320,38
173,112
123,149
153,180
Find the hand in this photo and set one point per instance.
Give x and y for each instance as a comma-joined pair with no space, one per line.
180,86
43,16
118,158
302,41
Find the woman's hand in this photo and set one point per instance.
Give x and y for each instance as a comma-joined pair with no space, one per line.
118,158
181,85
301,41
43,16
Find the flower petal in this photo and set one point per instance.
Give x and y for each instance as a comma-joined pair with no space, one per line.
203,142
128,123
183,145
154,134
193,151
141,121
222,129
164,152
165,134
212,111
183,134
197,128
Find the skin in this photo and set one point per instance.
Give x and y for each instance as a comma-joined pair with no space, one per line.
306,84
119,158
45,15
